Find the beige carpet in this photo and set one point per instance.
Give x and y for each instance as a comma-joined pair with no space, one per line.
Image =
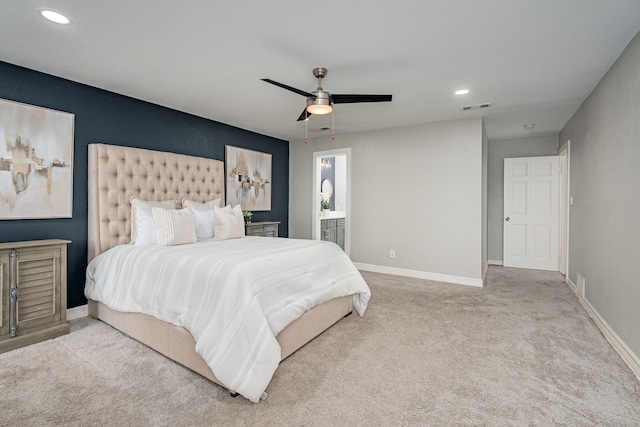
521,351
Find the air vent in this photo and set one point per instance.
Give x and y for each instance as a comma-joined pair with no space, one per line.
475,107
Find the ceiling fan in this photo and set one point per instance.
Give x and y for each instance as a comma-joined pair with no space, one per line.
321,102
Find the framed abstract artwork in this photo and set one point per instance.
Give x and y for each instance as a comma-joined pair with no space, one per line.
248,178
36,162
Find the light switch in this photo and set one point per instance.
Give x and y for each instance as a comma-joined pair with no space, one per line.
570,200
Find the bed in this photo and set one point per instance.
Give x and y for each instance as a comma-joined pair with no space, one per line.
115,175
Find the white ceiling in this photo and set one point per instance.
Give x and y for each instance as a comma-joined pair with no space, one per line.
534,60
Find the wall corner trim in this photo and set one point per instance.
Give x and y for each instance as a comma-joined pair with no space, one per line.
77,312
616,342
485,269
458,280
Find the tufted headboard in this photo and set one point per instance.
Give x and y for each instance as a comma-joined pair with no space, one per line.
117,173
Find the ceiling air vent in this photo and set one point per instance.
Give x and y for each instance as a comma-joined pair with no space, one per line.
475,107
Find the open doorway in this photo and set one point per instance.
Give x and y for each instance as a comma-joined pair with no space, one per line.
332,179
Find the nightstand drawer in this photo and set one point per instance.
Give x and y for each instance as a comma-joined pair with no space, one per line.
262,229
253,230
271,230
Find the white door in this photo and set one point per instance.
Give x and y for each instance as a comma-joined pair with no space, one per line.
531,213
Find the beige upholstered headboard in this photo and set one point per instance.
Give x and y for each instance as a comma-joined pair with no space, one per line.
117,173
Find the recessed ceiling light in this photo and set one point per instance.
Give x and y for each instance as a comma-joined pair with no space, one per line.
529,125
54,16
461,92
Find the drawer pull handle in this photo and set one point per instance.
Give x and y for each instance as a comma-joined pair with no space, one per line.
13,293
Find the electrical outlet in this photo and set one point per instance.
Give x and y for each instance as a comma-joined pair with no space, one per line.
392,253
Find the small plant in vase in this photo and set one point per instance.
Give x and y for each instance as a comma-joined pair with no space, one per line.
324,204
247,216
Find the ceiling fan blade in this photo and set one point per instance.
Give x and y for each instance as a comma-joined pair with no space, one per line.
352,99
292,89
305,115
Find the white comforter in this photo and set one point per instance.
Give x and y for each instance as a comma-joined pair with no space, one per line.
234,296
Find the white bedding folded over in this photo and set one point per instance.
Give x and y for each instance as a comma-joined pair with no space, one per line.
234,296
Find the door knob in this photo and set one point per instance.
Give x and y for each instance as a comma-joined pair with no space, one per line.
507,219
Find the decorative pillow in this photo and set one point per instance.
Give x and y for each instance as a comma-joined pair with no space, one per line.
186,203
229,223
203,217
143,227
174,227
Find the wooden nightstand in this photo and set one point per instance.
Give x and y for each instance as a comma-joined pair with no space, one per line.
262,229
33,292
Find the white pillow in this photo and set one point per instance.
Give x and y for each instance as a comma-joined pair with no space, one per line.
203,217
186,203
174,227
229,223
143,226
204,221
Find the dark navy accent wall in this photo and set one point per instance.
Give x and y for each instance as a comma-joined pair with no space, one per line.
110,118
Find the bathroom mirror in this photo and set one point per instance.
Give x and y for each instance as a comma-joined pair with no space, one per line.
327,187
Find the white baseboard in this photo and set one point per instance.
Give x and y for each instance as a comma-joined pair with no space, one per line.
616,342
494,262
77,312
459,280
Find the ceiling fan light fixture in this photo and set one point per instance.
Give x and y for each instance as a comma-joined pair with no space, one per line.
320,104
319,109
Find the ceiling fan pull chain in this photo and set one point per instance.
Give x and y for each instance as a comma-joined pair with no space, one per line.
333,124
305,130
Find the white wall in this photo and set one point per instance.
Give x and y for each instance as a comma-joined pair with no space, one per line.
416,189
341,183
498,151
604,228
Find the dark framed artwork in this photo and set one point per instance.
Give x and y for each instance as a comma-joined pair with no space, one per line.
36,162
248,178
